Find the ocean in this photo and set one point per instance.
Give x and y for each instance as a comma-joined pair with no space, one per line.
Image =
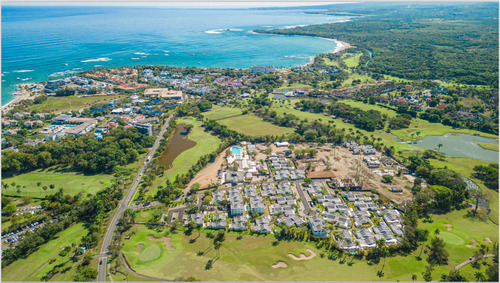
41,42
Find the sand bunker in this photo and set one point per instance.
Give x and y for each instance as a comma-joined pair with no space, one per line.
139,248
474,243
165,240
279,264
448,227
487,240
303,256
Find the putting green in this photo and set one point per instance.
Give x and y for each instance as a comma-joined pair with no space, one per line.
451,239
149,253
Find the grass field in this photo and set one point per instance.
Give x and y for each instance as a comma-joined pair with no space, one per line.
205,144
250,258
20,269
489,146
219,112
295,85
468,271
463,228
254,126
71,182
353,60
69,103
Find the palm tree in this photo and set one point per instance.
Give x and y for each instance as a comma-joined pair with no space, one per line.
217,247
45,188
440,146
5,186
479,277
52,186
414,277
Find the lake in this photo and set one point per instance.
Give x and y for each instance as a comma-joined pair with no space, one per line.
178,144
461,145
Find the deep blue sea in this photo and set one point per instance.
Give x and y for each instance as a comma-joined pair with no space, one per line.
40,41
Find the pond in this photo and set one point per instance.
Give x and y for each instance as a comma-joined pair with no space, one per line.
461,145
177,145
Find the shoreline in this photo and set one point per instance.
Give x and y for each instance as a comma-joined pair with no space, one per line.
340,45
19,95
22,95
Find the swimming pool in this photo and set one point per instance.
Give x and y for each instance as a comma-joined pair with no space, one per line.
236,151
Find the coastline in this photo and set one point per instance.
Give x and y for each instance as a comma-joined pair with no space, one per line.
340,45
19,95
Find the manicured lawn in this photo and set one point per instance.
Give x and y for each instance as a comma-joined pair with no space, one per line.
250,259
71,182
69,103
254,126
353,61
20,269
489,146
219,112
295,85
205,144
463,228
366,107
468,271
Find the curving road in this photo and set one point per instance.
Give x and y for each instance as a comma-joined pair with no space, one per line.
122,206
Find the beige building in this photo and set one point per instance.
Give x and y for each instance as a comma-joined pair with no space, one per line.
163,93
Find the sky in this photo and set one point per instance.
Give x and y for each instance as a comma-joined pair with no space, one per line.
198,4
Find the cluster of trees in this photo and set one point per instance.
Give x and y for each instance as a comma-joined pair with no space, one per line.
448,187
454,42
367,120
86,153
399,122
194,108
488,174
65,92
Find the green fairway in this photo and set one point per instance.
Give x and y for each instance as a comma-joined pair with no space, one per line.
219,112
463,228
20,269
151,252
70,103
251,258
353,61
489,146
71,182
254,126
205,144
451,239
363,106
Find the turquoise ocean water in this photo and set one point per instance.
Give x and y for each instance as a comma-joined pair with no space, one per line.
41,41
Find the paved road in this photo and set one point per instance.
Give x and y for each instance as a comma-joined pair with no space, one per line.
471,260
298,187
122,206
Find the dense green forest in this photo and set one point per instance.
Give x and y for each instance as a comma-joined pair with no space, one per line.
455,42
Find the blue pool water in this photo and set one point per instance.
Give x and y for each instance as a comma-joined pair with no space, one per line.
41,40
236,150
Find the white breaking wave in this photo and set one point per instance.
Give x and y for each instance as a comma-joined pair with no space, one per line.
216,31
96,60
24,71
134,58
140,53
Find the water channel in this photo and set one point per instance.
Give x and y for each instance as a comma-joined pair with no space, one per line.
178,144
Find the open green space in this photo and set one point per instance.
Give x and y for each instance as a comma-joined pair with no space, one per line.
20,269
205,144
254,126
469,271
70,103
251,258
71,182
294,85
489,146
462,230
353,60
220,112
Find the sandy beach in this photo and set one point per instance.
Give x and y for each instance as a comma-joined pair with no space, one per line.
340,45
20,94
